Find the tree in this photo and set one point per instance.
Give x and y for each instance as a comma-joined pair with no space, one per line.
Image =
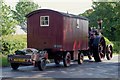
109,12
7,23
117,21
22,9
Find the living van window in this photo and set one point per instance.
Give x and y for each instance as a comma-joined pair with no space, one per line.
44,21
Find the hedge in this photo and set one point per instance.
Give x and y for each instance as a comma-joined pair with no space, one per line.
11,43
116,47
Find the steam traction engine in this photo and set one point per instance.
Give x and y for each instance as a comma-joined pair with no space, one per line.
97,44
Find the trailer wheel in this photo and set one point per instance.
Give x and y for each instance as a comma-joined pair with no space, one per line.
80,58
99,50
67,59
109,53
14,66
41,64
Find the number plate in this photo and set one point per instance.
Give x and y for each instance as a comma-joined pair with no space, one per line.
19,60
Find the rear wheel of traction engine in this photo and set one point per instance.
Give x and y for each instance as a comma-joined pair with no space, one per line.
80,58
67,59
41,64
14,66
99,50
109,53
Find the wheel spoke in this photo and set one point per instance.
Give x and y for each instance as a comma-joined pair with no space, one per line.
67,59
80,58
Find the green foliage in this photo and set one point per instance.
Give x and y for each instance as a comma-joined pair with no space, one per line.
109,12
116,47
12,43
22,9
108,42
4,61
7,23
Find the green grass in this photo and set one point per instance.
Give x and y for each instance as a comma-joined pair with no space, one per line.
116,47
4,61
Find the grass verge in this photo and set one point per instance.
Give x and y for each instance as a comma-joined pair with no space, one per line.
4,61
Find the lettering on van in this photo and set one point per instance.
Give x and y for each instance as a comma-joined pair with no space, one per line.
57,46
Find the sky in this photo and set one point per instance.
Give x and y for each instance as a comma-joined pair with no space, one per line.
70,6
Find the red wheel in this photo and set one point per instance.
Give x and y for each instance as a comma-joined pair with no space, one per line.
67,59
80,58
109,53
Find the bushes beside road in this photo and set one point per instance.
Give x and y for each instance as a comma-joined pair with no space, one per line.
116,47
11,43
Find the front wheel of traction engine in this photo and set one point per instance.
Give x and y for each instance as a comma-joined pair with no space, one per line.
80,58
41,64
14,66
67,59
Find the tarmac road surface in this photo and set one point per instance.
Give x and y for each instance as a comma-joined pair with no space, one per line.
89,69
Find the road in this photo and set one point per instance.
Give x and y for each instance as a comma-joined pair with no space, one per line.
89,69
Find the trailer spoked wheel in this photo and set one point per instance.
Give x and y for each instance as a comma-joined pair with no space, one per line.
67,59
14,66
99,50
109,52
80,58
41,64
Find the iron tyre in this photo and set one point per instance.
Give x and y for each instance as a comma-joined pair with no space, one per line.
80,58
109,53
67,59
41,64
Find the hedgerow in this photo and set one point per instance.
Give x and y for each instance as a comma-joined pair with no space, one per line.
116,47
11,43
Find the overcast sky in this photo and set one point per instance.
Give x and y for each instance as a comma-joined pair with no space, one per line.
72,6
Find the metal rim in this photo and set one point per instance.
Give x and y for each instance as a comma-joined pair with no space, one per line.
43,64
67,59
109,52
80,58
101,49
